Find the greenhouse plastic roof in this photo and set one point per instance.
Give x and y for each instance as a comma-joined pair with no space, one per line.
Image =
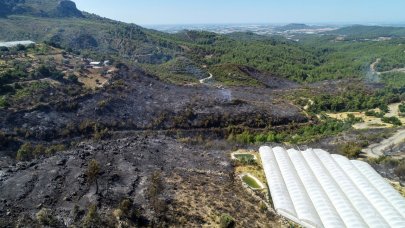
316,189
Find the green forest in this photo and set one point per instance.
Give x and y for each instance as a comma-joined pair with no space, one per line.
313,58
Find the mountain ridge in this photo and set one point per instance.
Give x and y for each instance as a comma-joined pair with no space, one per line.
41,8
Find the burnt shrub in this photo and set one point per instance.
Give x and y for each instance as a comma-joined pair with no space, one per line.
400,170
227,221
67,106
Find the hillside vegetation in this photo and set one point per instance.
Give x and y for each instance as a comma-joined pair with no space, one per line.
314,58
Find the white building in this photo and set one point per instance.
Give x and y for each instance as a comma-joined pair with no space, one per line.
15,43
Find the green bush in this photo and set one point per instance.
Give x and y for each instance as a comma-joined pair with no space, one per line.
3,102
39,150
92,218
374,113
101,133
54,149
384,108
26,152
402,108
351,150
392,120
245,138
227,221
46,218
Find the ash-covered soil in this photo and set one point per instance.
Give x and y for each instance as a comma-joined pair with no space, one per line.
168,183
135,101
146,178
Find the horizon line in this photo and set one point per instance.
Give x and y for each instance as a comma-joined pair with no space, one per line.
272,23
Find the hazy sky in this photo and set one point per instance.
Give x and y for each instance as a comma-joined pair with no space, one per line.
146,12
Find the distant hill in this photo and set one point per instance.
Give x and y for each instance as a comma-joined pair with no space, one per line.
41,8
61,24
293,26
364,32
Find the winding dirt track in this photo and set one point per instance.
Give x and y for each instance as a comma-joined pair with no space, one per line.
379,149
373,68
204,80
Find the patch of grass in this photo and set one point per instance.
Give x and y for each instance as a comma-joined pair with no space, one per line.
244,156
250,182
245,160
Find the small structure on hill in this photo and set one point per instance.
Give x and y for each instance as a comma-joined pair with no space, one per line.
95,64
15,43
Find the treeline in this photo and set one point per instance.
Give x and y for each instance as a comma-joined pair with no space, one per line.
356,99
326,127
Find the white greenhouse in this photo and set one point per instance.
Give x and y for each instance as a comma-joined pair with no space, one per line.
316,189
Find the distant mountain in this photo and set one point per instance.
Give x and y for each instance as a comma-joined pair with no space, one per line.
293,26
41,8
370,32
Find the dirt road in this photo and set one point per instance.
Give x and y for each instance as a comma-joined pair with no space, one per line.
380,149
204,80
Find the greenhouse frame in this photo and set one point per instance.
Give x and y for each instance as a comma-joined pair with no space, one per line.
316,189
